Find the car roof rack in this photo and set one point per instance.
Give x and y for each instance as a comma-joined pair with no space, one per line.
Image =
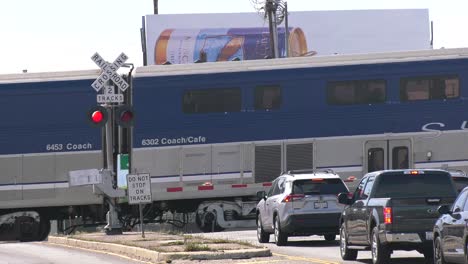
314,171
459,172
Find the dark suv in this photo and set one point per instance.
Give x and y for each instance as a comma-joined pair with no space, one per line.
451,232
459,178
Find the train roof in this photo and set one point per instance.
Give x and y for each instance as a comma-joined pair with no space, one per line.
248,65
300,62
49,76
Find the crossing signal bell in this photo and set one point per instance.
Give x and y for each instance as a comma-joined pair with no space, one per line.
97,116
124,116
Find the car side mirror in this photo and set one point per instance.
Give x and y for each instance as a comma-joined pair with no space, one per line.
343,198
261,195
444,209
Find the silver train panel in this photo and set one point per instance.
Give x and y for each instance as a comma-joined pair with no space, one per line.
39,180
42,179
196,165
38,169
10,189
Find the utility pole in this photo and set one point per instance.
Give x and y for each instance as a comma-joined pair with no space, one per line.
286,30
271,6
155,4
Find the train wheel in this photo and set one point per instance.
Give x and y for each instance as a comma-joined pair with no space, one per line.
208,219
27,229
44,229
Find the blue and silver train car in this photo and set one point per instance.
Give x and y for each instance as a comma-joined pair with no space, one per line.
243,123
44,135
213,134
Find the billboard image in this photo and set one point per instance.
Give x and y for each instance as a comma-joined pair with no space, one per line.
224,44
189,38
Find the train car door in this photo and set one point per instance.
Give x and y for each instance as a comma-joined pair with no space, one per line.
388,154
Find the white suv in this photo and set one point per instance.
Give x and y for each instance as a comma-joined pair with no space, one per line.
300,203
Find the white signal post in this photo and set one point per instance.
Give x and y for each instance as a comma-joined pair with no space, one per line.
109,73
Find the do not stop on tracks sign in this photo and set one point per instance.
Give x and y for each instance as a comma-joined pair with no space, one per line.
139,192
139,188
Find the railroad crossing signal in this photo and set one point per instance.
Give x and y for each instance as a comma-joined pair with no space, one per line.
124,116
97,116
109,72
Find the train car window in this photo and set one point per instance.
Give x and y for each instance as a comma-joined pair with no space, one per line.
375,159
356,92
267,97
429,88
212,101
400,158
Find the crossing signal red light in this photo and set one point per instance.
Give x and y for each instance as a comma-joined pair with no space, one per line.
124,116
97,116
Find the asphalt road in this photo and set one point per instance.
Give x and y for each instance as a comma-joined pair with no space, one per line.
314,249
41,253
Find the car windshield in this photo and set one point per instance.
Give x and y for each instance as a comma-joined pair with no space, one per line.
460,183
319,186
402,185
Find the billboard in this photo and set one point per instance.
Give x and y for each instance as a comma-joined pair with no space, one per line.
189,38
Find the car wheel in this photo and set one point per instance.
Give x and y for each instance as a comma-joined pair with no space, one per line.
280,237
428,254
330,237
262,236
380,253
438,253
345,252
465,253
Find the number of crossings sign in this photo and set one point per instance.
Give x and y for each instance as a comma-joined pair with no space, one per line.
139,188
109,72
109,96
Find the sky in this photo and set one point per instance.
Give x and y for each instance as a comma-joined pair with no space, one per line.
58,35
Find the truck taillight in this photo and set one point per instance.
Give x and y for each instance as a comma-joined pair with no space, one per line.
387,213
292,198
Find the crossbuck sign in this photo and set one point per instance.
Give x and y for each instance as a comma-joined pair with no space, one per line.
109,72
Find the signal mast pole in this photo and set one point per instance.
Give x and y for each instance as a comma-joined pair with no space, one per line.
113,226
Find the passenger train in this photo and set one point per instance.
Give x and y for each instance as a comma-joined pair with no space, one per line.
213,134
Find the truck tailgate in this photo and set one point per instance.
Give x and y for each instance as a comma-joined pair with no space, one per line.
416,214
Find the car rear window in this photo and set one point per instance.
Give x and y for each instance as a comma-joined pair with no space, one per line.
460,183
319,186
414,185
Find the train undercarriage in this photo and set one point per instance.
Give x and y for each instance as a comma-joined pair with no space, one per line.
34,224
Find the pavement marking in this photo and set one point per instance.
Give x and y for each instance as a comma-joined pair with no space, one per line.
98,251
262,261
312,260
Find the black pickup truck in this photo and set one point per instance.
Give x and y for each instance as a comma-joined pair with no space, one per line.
393,210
